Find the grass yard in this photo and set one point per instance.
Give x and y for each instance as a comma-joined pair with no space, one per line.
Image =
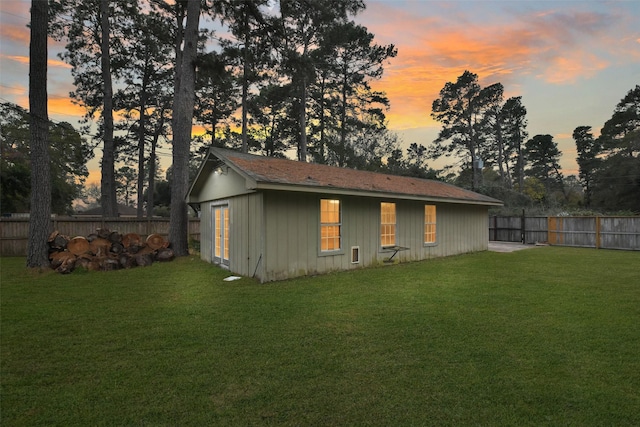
546,336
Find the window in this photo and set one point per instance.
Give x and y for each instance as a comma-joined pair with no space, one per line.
429,223
330,225
387,224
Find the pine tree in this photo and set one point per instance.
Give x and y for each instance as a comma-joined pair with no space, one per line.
40,218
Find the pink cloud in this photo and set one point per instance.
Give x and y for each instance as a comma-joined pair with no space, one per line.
558,48
569,69
14,33
25,60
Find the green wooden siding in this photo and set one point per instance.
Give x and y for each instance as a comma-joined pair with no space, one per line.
245,237
291,223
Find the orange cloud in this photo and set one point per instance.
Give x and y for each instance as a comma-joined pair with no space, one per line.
16,90
58,63
547,45
63,107
15,33
18,58
570,68
25,60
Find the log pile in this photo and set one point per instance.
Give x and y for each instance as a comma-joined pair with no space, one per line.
105,250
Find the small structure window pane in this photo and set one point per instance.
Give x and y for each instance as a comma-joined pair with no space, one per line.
387,224
429,224
226,233
221,223
330,225
218,234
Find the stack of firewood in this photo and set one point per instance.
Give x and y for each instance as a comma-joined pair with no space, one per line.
106,250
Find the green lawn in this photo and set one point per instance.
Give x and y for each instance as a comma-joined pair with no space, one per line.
546,336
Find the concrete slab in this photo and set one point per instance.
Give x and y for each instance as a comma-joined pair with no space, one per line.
508,246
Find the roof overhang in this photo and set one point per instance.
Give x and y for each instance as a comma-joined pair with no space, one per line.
216,158
359,193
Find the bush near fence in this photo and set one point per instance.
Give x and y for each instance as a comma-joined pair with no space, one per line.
605,232
14,232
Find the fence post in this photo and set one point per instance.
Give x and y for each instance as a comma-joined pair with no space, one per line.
597,232
523,229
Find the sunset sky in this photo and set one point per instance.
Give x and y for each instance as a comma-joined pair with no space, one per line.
570,61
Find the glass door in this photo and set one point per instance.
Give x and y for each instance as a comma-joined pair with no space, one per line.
220,241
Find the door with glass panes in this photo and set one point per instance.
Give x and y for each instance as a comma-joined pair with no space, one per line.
220,241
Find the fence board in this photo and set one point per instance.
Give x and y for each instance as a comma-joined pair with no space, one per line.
620,233
14,232
592,232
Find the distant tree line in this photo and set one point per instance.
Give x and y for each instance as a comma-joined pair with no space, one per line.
68,157
610,164
487,136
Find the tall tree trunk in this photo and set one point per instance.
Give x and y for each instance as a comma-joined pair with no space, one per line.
500,143
141,139
40,216
343,124
520,163
321,149
475,182
108,182
151,188
245,84
183,103
302,145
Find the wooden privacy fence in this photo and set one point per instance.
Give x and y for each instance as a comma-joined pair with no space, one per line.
518,229
14,232
606,232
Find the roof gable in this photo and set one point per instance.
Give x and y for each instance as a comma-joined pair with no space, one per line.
277,173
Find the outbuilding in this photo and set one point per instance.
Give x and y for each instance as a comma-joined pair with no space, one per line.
273,218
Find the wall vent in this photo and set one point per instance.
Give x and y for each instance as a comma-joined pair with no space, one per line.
355,254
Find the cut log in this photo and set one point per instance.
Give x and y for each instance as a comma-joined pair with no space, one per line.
131,239
57,241
117,248
103,233
99,247
145,250
105,250
165,254
156,241
109,264
63,262
94,265
78,245
115,237
52,236
127,260
58,258
134,249
144,259
82,262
